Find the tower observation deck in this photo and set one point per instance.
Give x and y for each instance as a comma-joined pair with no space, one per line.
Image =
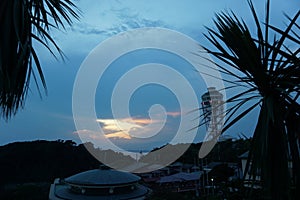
213,112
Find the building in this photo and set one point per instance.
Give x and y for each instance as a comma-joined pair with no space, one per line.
249,181
102,184
213,111
255,182
180,182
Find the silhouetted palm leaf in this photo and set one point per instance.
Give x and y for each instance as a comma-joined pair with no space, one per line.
271,69
21,22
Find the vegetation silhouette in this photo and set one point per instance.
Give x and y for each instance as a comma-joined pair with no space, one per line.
21,23
266,68
28,168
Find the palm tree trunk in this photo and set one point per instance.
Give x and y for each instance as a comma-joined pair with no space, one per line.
293,137
278,166
268,154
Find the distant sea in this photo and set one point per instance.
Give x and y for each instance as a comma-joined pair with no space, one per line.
135,153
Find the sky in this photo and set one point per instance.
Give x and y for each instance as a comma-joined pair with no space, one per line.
155,112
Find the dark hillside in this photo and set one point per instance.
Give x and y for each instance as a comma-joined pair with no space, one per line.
42,161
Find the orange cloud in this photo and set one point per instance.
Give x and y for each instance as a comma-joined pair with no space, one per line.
88,135
127,128
174,114
119,134
140,121
121,128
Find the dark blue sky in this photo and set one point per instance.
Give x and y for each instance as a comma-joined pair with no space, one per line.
51,118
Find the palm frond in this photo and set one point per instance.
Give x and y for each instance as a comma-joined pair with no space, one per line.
21,22
271,70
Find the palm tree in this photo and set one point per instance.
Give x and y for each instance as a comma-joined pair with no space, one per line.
266,68
21,22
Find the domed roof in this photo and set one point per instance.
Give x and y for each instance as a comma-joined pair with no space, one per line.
102,177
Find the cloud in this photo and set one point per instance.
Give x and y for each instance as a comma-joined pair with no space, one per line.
126,22
103,19
89,135
174,114
100,24
87,29
120,129
112,125
100,140
128,127
118,135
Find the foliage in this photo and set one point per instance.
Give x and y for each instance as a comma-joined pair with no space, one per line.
43,161
225,151
21,22
32,191
26,167
266,68
221,173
